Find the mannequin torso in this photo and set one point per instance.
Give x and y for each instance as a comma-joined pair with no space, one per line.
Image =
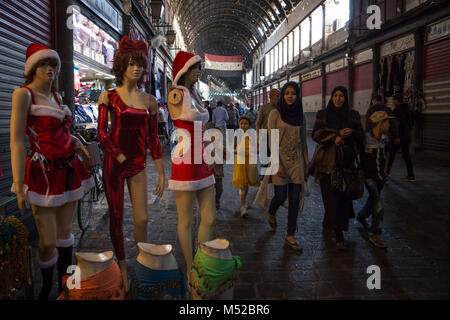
156,257
91,263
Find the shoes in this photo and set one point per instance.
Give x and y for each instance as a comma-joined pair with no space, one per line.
244,212
377,241
272,221
410,178
294,245
341,245
363,222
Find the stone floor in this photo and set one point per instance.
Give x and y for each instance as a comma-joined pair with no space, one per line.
415,266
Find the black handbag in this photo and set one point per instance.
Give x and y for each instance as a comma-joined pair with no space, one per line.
348,181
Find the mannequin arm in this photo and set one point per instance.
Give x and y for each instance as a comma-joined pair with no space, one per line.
21,101
105,140
153,144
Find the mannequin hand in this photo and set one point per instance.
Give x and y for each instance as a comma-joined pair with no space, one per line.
22,201
160,186
121,158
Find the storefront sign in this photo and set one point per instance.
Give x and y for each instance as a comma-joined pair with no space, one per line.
107,12
439,30
364,56
336,65
398,45
311,75
295,79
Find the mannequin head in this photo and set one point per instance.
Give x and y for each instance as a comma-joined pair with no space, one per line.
44,71
130,66
191,76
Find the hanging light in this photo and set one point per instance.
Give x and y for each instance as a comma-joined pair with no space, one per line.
170,36
156,6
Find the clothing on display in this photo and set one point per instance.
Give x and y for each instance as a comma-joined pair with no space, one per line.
128,124
397,73
86,110
148,284
211,276
54,173
104,285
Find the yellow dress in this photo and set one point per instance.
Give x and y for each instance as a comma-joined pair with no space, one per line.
240,170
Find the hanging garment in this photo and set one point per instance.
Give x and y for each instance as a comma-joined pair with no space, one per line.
148,284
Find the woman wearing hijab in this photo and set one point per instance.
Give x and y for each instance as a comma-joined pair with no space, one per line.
289,119
338,132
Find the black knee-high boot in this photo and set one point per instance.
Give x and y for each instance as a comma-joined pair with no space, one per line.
64,247
47,276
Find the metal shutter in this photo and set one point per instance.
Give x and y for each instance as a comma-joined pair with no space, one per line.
21,23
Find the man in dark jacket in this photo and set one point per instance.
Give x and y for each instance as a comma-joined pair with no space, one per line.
404,119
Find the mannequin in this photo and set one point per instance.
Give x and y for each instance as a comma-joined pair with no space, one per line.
52,178
155,274
133,119
193,181
100,278
214,271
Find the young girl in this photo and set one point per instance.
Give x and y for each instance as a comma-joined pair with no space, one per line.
240,171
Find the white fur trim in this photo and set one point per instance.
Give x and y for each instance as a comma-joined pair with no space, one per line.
65,243
49,263
58,113
41,55
177,185
186,67
61,199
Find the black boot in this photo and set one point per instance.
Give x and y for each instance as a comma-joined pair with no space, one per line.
47,283
64,261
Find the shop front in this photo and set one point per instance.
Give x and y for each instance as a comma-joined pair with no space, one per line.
311,95
436,85
362,81
94,50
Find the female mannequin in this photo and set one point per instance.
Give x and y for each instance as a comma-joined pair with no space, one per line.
155,274
133,119
190,181
52,178
100,278
214,271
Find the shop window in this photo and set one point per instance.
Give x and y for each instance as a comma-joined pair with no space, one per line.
290,46
285,51
317,24
305,33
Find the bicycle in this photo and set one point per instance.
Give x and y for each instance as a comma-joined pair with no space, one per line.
86,203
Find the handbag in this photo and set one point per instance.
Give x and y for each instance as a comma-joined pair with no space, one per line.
348,181
253,174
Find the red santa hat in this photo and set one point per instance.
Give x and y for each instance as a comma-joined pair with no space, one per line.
36,53
183,61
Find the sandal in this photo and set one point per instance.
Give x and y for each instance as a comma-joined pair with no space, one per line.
272,221
294,245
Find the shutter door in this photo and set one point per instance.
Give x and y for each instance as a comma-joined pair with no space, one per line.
21,23
436,134
363,83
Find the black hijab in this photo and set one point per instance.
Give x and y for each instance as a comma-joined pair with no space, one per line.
338,118
291,114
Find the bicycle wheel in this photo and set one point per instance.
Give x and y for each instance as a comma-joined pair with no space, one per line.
84,209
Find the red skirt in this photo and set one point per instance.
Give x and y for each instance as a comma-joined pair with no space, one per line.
53,186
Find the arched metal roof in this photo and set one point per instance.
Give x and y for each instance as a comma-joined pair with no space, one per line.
229,27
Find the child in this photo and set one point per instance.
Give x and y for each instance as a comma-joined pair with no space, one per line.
373,162
240,171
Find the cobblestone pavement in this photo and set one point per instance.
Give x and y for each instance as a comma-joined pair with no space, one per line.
415,266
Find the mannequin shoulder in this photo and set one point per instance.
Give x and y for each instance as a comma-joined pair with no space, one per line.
22,96
103,98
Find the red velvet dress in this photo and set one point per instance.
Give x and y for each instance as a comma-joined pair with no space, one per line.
54,173
132,131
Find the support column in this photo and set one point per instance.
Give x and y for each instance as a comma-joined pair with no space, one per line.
324,84
64,47
419,39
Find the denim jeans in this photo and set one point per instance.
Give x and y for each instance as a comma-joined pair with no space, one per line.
291,191
373,206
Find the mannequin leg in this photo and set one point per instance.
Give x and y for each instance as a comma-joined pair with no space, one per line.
185,207
137,186
64,239
45,219
205,198
114,194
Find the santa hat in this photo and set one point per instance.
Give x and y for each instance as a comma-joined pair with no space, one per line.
183,61
36,53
